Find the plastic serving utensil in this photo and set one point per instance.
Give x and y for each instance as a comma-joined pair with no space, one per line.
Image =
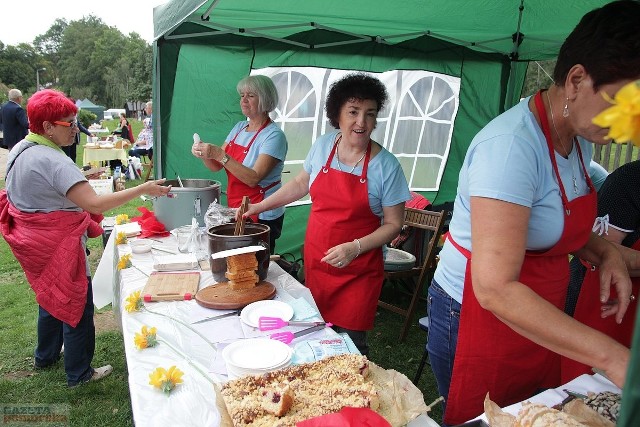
287,337
266,323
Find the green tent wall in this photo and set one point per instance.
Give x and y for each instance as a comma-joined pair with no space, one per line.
203,48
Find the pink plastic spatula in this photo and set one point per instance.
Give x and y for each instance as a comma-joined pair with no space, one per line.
266,323
287,337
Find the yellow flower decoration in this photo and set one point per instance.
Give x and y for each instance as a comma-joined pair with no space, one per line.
146,338
134,302
124,262
166,380
623,117
121,238
122,219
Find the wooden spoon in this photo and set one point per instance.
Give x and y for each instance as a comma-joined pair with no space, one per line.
239,230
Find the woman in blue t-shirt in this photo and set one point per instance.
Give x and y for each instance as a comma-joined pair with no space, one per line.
357,192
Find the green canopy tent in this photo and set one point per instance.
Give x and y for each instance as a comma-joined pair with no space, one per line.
472,56
85,104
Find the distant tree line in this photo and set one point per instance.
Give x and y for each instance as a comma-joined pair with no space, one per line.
84,59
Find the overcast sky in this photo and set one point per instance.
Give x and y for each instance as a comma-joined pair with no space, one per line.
23,20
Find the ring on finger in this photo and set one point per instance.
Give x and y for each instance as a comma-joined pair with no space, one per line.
339,263
632,298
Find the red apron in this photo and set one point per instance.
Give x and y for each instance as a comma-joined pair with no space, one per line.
340,212
588,312
236,189
492,357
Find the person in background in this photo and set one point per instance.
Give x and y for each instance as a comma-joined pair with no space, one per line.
144,145
47,223
14,119
524,203
358,192
125,129
71,150
618,221
253,153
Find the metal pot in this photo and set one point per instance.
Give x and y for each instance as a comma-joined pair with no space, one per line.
221,238
184,203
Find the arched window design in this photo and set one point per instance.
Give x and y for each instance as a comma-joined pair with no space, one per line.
416,125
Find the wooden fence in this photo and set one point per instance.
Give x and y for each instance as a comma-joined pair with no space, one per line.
612,155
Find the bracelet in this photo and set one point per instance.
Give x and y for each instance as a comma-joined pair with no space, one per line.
359,247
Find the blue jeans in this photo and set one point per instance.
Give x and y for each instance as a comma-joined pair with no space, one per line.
79,342
442,336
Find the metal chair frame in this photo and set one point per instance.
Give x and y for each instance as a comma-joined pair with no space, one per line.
427,221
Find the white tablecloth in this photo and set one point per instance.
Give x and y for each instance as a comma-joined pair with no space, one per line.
104,154
192,403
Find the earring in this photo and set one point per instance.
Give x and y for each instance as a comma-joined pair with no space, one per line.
565,110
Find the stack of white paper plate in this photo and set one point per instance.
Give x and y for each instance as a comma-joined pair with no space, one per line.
255,357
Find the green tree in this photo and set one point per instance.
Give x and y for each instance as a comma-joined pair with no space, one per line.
18,67
539,76
48,46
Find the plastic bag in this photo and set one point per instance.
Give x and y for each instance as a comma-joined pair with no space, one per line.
217,214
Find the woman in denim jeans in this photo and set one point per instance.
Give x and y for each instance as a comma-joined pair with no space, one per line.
525,202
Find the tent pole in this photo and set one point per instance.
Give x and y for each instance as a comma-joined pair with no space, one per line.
517,40
205,15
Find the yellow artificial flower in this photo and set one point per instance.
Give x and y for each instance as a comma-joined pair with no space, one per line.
121,238
623,117
122,219
146,338
124,262
166,380
134,302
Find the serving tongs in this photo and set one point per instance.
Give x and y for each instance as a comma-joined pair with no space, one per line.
239,230
572,395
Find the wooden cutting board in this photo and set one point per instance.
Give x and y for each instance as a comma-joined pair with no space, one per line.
171,286
222,297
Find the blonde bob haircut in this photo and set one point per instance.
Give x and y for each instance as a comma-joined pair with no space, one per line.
263,87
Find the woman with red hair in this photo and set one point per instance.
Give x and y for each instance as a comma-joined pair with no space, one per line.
47,212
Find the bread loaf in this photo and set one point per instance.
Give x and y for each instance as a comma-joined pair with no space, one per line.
538,415
241,271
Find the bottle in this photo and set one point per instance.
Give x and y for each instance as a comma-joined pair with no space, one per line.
116,173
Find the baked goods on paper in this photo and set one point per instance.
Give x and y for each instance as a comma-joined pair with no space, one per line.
313,389
573,414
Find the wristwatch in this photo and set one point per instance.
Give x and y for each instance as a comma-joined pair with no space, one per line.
225,159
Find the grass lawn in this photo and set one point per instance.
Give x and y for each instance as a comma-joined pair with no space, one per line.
107,402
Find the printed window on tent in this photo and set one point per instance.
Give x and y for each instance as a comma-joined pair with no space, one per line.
416,125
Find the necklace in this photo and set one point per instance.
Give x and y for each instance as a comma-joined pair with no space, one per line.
354,166
553,122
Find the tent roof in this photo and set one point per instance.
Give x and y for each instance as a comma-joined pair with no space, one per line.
85,104
482,25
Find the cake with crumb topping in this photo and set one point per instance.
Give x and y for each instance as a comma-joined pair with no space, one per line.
287,396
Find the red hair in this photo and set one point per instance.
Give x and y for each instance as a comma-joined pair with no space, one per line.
48,106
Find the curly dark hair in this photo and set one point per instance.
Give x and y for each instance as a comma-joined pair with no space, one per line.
606,42
358,86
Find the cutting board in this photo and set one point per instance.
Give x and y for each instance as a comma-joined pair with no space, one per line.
171,286
222,297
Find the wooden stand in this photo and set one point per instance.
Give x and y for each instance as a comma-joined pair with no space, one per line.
222,297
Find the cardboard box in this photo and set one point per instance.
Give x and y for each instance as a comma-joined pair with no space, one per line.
102,186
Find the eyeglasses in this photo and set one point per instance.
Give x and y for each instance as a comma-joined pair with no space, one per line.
71,124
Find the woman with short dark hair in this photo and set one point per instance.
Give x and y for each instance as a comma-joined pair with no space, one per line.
525,202
357,192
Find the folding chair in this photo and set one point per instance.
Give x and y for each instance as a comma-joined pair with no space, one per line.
430,224
147,164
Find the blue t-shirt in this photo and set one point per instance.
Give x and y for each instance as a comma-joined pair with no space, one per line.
270,141
508,160
386,183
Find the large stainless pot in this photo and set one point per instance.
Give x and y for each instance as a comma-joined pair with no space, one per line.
221,238
184,203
